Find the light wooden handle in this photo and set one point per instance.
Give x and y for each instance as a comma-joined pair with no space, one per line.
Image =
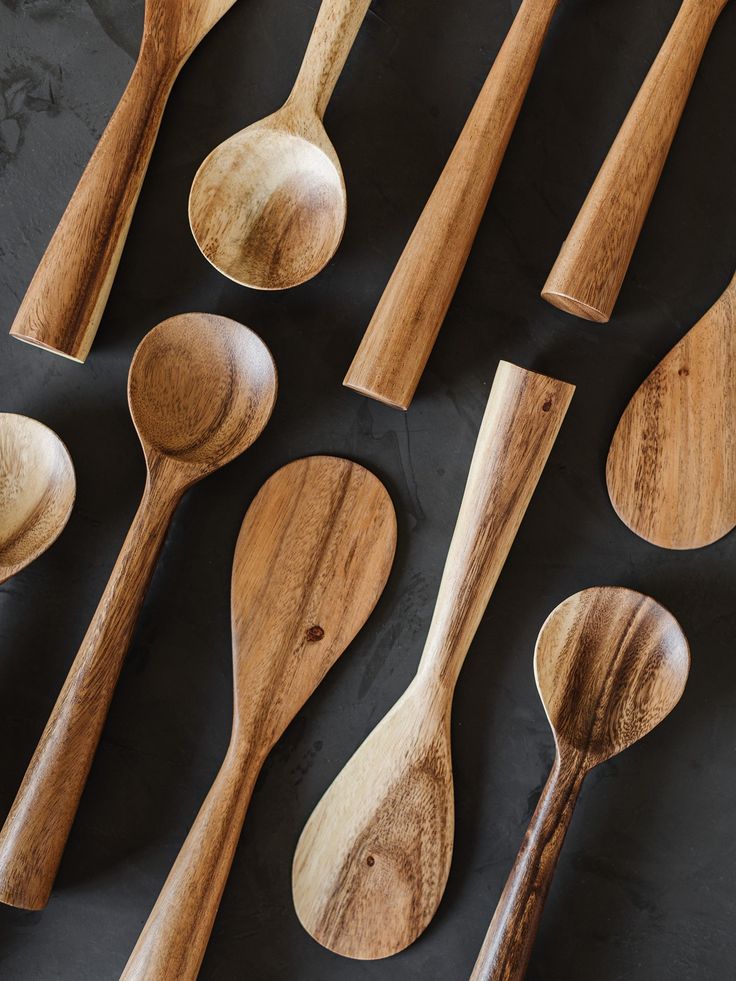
34,835
523,416
508,944
401,335
63,306
173,942
335,30
587,277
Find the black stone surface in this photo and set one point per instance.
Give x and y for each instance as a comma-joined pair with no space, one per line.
645,888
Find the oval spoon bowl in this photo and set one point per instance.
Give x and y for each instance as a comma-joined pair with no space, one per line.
37,490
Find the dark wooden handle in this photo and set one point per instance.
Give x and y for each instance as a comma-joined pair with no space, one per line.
63,306
508,944
587,277
174,940
401,335
34,835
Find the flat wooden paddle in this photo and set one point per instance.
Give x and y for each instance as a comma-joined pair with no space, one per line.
65,301
312,558
401,335
587,277
373,859
671,469
610,664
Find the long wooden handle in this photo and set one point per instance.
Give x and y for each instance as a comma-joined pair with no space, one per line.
173,942
523,416
63,306
401,335
507,947
587,277
33,837
335,30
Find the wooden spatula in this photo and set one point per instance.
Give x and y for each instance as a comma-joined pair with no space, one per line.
312,559
65,301
373,859
671,469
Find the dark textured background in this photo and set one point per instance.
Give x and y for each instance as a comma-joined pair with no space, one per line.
645,887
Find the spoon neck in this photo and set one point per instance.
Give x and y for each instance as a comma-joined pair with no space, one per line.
333,36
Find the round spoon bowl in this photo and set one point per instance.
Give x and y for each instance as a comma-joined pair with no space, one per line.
268,206
37,489
201,389
610,664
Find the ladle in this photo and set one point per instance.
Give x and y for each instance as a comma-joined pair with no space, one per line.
268,206
64,303
200,390
37,488
610,664
372,862
312,558
671,469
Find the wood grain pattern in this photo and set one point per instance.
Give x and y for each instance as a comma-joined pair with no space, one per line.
268,206
671,468
200,390
312,559
587,277
37,490
610,664
372,862
404,327
63,306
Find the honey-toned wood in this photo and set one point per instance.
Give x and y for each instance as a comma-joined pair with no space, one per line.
63,306
200,390
587,277
610,664
404,327
312,558
37,489
268,206
372,862
671,468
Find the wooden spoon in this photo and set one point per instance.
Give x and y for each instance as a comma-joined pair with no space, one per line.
590,269
671,469
372,862
37,489
401,335
200,390
268,206
64,304
313,556
610,664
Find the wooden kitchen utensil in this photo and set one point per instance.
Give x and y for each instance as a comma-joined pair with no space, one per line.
610,664
312,558
64,304
37,489
200,390
268,206
590,269
401,335
373,859
671,469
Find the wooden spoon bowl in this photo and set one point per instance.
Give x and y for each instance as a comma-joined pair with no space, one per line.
201,389
610,664
37,489
268,206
